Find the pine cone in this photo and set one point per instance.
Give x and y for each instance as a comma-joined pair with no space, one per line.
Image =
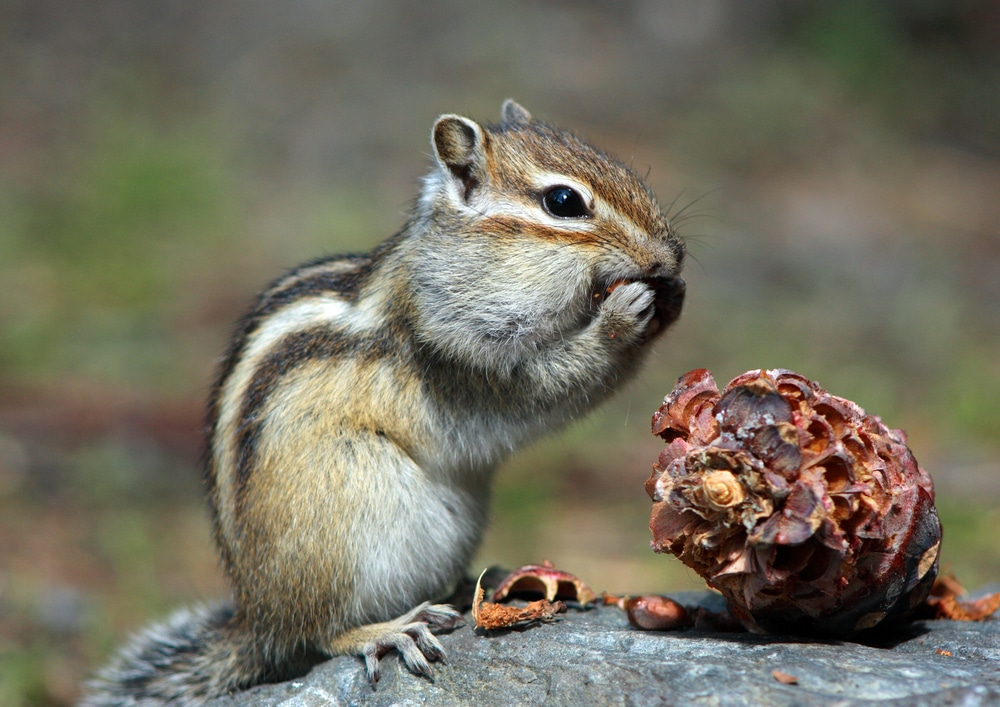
808,514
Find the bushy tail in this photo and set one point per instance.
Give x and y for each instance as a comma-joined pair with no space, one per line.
193,656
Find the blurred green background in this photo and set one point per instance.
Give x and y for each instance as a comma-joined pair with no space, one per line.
160,162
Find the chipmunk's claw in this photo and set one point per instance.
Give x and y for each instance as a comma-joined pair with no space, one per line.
411,635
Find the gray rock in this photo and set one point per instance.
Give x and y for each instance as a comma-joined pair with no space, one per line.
595,658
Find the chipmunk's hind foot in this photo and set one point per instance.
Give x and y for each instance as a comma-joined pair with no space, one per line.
411,634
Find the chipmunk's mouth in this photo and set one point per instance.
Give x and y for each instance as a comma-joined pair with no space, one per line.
667,301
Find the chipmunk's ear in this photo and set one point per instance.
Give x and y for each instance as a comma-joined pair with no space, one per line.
514,113
459,145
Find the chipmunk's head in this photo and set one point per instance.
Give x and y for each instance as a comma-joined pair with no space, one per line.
538,225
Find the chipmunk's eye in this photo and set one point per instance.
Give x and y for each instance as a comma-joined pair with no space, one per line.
564,202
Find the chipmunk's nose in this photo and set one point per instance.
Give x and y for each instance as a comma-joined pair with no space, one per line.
667,257
657,269
665,268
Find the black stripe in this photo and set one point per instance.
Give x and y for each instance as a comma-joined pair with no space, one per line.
293,351
346,284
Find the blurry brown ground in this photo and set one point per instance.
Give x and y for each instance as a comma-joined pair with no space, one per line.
836,166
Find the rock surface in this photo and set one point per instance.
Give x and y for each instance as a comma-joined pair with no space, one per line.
596,658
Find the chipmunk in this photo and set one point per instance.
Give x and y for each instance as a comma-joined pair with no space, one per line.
366,400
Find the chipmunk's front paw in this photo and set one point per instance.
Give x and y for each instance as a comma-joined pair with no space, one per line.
627,310
411,634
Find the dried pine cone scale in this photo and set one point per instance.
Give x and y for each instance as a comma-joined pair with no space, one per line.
808,514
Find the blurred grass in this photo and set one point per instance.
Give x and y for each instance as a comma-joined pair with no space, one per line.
95,253
842,171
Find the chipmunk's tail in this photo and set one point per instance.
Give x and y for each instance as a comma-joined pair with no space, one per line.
195,655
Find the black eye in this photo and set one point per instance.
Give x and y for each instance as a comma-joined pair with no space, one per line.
564,202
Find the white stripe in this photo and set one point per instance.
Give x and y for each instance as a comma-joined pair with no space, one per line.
298,316
302,314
